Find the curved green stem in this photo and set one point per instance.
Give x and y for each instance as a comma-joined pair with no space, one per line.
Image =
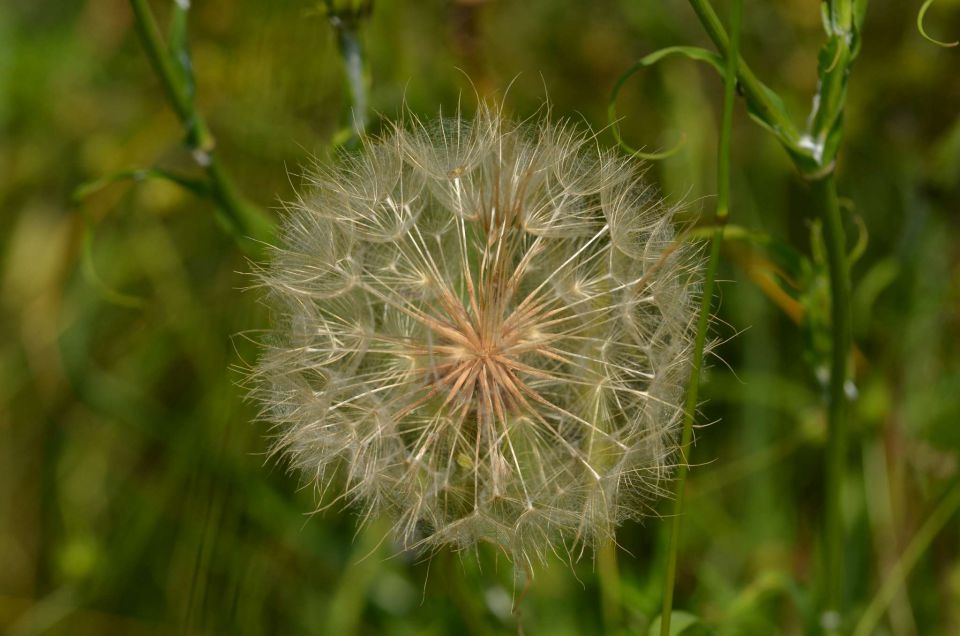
246,219
825,190
706,304
897,575
920,16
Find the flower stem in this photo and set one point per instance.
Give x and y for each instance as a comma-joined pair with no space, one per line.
757,95
706,304
897,575
353,67
817,166
610,593
825,190
686,438
160,58
346,19
246,219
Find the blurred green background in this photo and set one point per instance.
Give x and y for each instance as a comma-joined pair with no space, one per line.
135,493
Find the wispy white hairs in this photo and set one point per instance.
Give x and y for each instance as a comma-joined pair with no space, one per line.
482,329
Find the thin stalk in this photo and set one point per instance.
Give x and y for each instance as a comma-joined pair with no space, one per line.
754,90
819,169
825,190
706,305
670,574
349,598
878,497
897,576
242,215
245,218
346,19
353,66
160,59
610,593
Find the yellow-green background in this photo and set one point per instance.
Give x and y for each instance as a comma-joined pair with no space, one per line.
135,494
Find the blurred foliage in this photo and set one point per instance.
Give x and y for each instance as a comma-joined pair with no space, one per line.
135,493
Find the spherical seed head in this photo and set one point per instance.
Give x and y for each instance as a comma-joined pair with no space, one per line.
482,330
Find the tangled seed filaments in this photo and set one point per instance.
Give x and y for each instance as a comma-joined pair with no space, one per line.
482,329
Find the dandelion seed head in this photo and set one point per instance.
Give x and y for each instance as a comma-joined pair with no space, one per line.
482,329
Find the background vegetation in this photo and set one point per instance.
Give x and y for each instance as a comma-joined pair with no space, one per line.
135,496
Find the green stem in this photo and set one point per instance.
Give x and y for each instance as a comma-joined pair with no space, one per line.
670,574
254,226
706,303
610,592
755,92
825,190
198,135
897,576
246,219
818,167
351,52
346,18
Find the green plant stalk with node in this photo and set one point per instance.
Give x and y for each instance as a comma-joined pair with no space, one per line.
813,153
249,224
690,406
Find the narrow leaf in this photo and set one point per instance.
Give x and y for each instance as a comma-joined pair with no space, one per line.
681,622
89,188
920,15
690,52
107,292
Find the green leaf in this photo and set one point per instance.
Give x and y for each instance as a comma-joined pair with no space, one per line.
85,190
815,298
863,239
800,154
920,15
878,278
107,292
859,14
793,263
690,52
681,622
697,54
89,188
731,232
